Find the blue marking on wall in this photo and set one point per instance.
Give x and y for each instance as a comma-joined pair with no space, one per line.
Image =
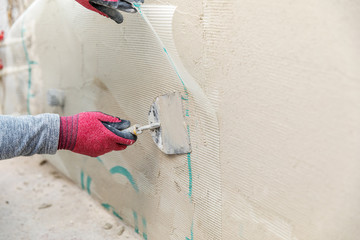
138,7
190,175
88,184
82,180
189,160
117,215
185,99
123,171
187,115
107,206
111,208
191,232
136,222
30,63
100,160
144,228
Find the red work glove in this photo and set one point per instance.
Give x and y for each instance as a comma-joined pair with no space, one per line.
109,8
94,133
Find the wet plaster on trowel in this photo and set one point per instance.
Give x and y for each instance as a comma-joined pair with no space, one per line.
172,137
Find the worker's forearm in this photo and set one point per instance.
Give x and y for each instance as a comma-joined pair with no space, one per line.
28,135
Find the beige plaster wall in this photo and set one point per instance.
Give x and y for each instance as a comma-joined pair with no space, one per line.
289,118
285,77
283,80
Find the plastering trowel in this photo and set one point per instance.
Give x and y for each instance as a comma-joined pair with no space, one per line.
167,125
166,121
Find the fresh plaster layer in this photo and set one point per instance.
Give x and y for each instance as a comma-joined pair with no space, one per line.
273,110
292,81
120,70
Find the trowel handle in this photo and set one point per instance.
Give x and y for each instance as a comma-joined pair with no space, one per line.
137,129
132,129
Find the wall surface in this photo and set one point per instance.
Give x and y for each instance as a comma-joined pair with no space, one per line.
271,98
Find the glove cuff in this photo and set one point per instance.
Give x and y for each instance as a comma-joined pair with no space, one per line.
68,132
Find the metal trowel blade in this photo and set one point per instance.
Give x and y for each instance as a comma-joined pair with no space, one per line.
172,137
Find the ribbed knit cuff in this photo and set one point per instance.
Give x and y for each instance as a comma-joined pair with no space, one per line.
68,132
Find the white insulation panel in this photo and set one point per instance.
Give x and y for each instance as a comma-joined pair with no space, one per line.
271,97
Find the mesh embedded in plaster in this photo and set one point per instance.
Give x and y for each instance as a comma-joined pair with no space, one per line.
120,69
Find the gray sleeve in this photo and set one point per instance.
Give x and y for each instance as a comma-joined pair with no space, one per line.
28,135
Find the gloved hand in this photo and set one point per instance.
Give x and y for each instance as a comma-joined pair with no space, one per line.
94,133
109,8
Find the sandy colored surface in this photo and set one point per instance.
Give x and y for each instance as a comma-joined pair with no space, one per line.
283,80
38,202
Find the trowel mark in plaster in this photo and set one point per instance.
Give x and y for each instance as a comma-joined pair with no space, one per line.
138,7
30,63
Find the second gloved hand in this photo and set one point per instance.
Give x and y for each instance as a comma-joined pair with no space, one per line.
110,8
94,134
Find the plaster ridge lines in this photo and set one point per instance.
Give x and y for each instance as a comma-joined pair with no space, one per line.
211,25
138,7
